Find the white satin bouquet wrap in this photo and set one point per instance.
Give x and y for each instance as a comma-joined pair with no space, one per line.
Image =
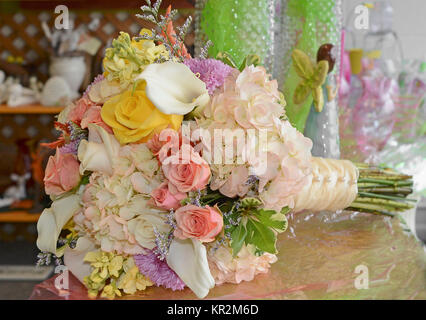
332,186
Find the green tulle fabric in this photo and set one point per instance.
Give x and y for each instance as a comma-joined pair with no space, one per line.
242,27
239,27
316,21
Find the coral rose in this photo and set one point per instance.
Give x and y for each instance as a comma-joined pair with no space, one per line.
165,199
62,173
186,171
77,111
167,138
154,144
133,117
199,223
93,115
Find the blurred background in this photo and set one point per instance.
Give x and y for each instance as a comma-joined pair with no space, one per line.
383,89
381,71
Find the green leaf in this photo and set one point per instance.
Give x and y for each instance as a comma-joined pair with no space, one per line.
251,59
285,210
261,236
238,236
85,180
250,203
185,201
226,58
272,219
302,64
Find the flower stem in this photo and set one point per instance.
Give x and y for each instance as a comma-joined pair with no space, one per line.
382,190
384,202
383,196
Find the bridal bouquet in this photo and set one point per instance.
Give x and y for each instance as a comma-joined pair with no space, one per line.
178,172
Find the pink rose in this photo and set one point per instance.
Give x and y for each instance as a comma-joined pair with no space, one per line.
203,224
79,109
62,173
165,199
154,144
93,115
186,170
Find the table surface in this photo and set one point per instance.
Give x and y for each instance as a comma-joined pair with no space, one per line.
318,259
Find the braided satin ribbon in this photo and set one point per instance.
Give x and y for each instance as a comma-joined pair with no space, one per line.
332,186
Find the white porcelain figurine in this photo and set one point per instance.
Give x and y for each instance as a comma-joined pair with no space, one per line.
15,192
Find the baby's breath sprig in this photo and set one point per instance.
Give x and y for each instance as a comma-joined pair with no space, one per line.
183,31
173,42
171,219
77,133
46,258
163,240
222,241
204,52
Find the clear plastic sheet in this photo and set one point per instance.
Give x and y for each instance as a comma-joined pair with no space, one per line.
409,158
318,257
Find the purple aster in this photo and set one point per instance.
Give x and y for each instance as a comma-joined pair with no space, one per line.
76,134
71,147
212,72
97,79
158,271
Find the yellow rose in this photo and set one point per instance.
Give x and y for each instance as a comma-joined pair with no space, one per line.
134,118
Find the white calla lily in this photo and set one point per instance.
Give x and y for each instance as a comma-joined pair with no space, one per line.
53,219
188,258
99,153
173,88
74,258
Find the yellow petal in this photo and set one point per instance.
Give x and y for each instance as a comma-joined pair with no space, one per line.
134,118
